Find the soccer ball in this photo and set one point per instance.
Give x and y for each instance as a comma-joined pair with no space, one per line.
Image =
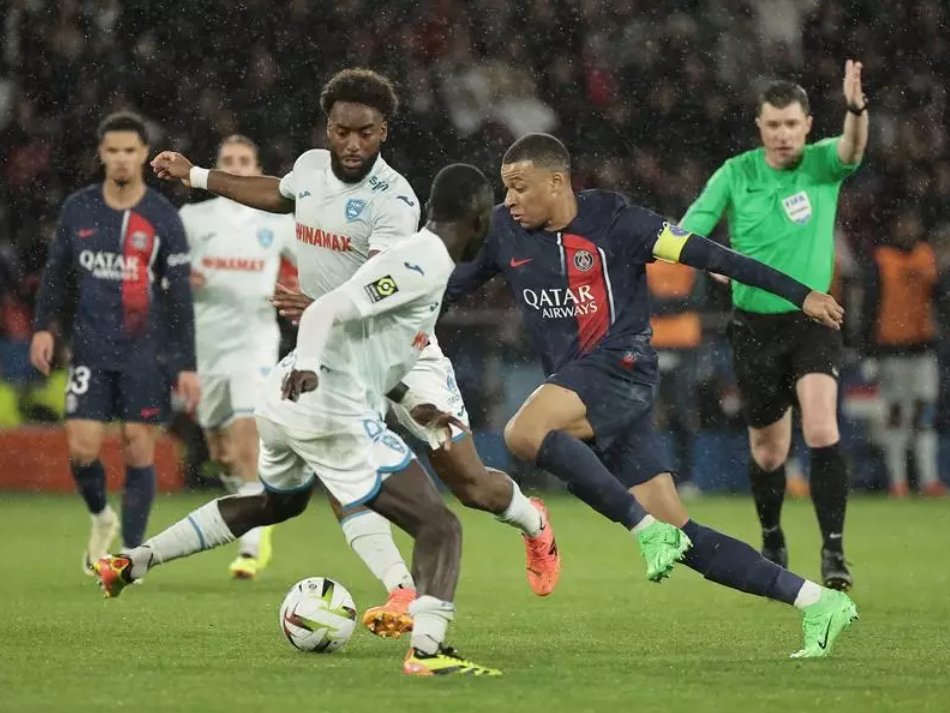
318,615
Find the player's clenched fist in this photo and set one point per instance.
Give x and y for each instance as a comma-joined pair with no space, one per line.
297,383
172,166
824,309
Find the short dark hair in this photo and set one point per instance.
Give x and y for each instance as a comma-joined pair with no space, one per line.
543,150
123,121
782,93
360,86
243,141
458,191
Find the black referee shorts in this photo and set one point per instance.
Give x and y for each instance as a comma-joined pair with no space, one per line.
771,352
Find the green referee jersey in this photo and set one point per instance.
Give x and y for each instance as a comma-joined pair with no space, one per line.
782,217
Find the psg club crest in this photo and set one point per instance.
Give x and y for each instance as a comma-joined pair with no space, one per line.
583,260
265,236
798,208
139,240
354,207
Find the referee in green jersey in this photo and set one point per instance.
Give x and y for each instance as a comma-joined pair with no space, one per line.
780,202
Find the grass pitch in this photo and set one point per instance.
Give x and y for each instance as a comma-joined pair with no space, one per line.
189,639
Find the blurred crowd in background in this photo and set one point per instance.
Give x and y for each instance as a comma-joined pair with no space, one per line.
649,95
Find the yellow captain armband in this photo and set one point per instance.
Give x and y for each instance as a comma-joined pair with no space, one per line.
669,243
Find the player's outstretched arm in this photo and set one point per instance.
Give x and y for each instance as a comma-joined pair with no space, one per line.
854,136
261,192
676,245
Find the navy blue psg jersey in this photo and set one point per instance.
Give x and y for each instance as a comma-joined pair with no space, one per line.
131,269
580,288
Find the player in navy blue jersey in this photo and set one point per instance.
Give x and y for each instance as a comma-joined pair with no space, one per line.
123,246
576,266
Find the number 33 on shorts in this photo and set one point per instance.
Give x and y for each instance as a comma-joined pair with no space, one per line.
77,384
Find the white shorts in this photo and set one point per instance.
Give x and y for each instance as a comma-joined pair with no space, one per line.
911,377
352,461
226,397
433,379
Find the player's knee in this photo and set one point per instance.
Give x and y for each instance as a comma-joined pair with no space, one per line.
524,441
82,452
769,455
283,506
820,435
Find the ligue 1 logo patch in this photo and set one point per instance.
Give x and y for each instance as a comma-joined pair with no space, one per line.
139,240
381,289
354,207
798,208
265,236
583,260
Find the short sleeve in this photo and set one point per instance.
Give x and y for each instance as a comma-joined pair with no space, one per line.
288,186
395,219
706,211
397,277
829,163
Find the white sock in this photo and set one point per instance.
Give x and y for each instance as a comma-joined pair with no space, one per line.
807,595
430,620
250,542
644,523
895,455
521,513
925,456
371,537
103,518
203,529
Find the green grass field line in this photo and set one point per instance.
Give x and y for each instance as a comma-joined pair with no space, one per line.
189,639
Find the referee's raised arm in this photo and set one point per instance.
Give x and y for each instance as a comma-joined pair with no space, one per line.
780,200
854,136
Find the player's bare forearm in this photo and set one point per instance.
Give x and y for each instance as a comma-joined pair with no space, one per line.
854,138
261,192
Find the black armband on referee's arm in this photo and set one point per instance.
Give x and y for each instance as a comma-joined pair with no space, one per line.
397,393
706,255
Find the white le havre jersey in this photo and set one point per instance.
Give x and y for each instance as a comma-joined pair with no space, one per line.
238,251
338,223
398,295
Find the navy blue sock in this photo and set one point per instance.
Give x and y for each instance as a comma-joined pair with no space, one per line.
91,484
573,462
137,503
727,561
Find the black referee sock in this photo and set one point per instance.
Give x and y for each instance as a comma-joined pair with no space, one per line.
829,493
768,491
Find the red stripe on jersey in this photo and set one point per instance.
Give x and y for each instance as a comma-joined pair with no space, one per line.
585,280
138,244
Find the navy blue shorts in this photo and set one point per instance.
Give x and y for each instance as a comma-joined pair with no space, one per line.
618,387
133,396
